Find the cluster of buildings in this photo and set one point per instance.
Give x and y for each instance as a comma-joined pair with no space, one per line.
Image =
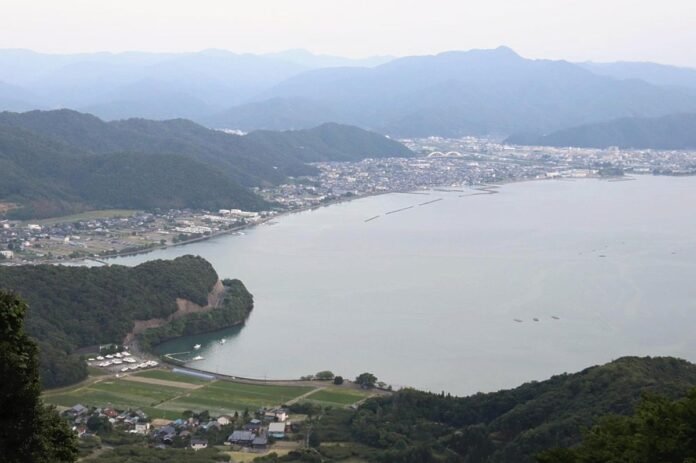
195,431
121,361
469,161
440,162
23,242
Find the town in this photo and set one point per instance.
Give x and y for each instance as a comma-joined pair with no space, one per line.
439,162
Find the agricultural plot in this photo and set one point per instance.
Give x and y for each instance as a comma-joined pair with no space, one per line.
169,376
163,394
116,393
226,397
337,396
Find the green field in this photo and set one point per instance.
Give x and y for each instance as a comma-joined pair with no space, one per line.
158,401
89,215
337,396
225,397
169,376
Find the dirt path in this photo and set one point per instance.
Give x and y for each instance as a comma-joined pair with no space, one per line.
304,396
160,382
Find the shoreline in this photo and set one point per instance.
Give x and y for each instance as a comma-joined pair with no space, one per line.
484,188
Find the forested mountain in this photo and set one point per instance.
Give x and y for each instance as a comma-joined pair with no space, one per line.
511,425
57,162
474,92
74,307
673,132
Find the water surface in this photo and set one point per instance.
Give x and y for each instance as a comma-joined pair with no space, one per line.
428,296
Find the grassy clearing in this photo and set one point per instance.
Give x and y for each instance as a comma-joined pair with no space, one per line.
89,215
337,396
169,376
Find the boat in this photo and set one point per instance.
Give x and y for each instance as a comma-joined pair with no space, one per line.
223,341
555,317
517,320
197,357
197,346
535,319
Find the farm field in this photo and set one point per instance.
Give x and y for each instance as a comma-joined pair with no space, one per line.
225,397
169,394
337,396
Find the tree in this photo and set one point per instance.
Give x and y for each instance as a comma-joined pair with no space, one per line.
29,431
659,430
366,380
338,380
99,424
325,375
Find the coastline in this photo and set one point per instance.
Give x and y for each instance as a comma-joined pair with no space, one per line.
484,188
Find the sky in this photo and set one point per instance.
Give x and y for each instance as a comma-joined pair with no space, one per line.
577,30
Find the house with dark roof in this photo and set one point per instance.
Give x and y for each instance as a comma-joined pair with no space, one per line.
260,443
241,438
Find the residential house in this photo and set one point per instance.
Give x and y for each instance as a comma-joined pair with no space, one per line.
224,420
241,438
253,426
260,443
276,430
198,444
142,427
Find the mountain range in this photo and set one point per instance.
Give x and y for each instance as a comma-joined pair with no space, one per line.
58,162
672,132
477,92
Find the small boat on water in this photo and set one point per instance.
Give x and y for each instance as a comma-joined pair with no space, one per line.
517,320
197,357
223,341
555,317
197,346
535,319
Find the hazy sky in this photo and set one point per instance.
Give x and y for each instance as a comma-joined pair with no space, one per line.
600,30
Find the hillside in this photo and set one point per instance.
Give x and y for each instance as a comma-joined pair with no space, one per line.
673,132
58,162
75,307
511,425
474,92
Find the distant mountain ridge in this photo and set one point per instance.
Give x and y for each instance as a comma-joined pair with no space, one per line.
150,85
673,132
57,162
477,92
656,74
462,93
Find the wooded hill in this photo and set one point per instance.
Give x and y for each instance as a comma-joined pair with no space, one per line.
505,426
673,132
74,307
59,162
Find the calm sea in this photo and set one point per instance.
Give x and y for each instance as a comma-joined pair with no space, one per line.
469,293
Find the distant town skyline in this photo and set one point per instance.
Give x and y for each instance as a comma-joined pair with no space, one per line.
588,30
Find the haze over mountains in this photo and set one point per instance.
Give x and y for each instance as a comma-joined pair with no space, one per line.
478,92
673,132
59,162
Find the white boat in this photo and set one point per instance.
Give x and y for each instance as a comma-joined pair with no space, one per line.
198,357
223,341
197,346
